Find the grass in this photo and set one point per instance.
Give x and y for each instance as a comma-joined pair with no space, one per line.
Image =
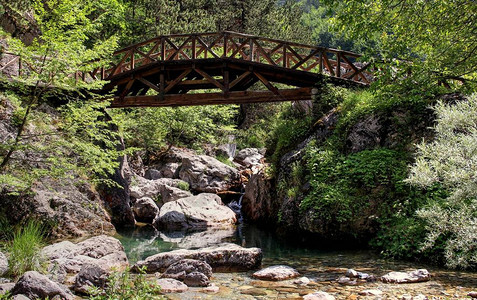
24,249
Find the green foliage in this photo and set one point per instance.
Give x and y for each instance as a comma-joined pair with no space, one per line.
124,285
183,186
154,128
342,187
24,250
450,160
224,159
420,44
80,143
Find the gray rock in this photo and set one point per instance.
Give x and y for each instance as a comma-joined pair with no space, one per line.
3,264
163,190
64,249
224,257
35,285
259,203
6,287
250,156
351,273
318,296
276,273
196,279
20,297
343,280
182,268
302,281
420,275
207,174
169,285
472,294
196,212
104,251
90,275
420,297
145,210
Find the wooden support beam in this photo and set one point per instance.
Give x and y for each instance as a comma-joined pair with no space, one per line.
210,79
239,97
149,84
267,83
177,80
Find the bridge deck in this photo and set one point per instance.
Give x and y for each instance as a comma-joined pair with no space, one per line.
213,68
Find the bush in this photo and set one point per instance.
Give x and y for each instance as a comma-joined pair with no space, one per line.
183,186
125,286
24,250
451,161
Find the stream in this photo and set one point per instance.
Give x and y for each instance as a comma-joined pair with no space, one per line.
322,267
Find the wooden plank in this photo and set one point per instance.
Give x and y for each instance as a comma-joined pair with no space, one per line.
210,79
177,80
149,84
238,97
306,59
238,79
265,54
267,83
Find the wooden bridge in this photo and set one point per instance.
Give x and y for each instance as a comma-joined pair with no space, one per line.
220,68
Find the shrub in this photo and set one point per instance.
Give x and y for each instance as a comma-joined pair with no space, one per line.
24,249
125,286
451,161
183,186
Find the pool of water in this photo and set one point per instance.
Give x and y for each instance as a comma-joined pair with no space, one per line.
320,264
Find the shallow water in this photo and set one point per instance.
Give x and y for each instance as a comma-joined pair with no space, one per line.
321,266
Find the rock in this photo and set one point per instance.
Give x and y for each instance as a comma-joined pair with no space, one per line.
302,281
250,156
20,297
180,269
212,288
6,287
351,273
229,257
406,297
346,281
68,258
254,292
319,296
90,275
276,273
197,212
207,174
200,239
169,285
259,203
196,279
3,264
420,275
472,294
163,190
153,174
145,210
35,285
419,297
376,293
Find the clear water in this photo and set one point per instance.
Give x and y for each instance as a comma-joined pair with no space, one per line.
321,266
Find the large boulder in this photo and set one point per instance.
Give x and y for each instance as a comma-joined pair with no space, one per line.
276,273
3,264
196,279
145,210
162,190
91,275
35,285
250,157
197,212
67,259
258,202
224,257
420,275
179,270
207,174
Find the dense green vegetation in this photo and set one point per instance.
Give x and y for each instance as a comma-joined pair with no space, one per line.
420,50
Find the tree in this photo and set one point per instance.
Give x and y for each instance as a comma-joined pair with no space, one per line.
451,161
65,46
421,43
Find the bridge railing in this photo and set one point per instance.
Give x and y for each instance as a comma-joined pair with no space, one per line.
332,62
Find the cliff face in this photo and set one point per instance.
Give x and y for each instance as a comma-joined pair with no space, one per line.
285,200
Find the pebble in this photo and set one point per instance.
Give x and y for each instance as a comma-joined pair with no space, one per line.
472,294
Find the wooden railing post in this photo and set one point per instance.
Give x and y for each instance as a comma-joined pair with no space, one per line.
338,64
226,49
250,42
194,52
